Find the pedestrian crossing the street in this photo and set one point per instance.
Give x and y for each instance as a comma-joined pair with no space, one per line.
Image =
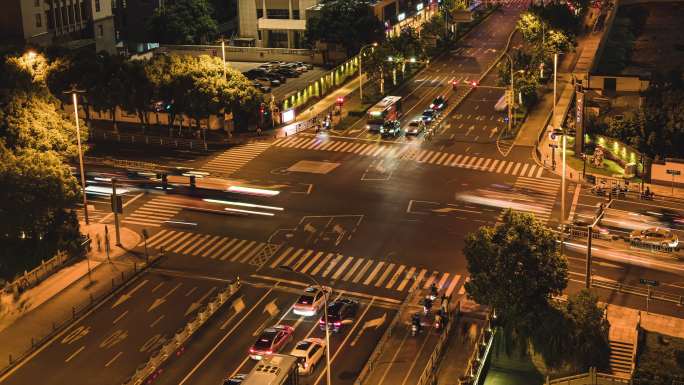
154,212
541,194
438,158
233,159
329,265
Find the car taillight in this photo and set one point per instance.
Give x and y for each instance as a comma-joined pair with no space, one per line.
306,365
251,350
321,322
269,352
432,105
337,323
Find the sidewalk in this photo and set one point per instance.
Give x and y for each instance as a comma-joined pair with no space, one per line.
461,344
39,311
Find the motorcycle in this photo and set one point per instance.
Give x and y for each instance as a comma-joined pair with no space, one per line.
427,305
433,292
415,325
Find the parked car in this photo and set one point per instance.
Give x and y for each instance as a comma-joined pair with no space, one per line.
307,65
276,75
288,72
655,236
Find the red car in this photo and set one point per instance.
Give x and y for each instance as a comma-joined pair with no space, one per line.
271,340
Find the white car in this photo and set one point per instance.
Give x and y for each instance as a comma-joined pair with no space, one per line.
309,352
415,126
311,301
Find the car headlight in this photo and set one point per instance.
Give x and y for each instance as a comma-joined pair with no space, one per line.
367,125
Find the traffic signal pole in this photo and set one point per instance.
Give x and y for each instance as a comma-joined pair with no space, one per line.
115,206
590,231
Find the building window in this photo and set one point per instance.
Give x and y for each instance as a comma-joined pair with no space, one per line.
295,14
50,22
39,20
97,5
260,13
278,14
100,30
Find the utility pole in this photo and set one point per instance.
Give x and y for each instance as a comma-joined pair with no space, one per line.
590,230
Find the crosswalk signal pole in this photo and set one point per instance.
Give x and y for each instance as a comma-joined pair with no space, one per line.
590,230
115,206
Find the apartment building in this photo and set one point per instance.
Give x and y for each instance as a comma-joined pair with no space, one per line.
72,23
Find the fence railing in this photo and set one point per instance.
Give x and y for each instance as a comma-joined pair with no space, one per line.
640,291
430,370
183,143
123,163
32,278
478,358
78,311
151,368
380,347
591,378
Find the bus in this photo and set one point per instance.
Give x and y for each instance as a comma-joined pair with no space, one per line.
387,109
275,369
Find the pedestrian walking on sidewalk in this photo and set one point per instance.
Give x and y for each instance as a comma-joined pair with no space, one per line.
99,242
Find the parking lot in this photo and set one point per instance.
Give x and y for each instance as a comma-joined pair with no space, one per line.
290,85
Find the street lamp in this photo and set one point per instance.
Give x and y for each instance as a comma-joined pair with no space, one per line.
73,91
325,313
372,45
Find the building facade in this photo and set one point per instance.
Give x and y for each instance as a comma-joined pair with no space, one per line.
68,22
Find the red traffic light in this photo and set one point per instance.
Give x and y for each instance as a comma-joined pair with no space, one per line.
340,100
473,83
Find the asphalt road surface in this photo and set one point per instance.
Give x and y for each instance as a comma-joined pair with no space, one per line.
374,219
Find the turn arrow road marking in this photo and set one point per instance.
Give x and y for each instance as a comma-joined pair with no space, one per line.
159,301
374,323
124,297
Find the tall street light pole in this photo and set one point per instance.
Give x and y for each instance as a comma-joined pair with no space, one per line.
223,54
511,100
325,317
73,92
360,69
564,139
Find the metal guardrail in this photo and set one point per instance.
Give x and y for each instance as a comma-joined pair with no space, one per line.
190,144
476,362
150,369
122,163
640,291
79,311
430,370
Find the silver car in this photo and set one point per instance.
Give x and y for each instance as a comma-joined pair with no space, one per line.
656,236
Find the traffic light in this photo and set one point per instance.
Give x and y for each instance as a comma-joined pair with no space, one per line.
340,101
193,181
454,83
473,83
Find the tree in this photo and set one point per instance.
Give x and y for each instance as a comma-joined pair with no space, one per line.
139,90
34,121
588,331
350,23
34,219
196,86
183,22
515,268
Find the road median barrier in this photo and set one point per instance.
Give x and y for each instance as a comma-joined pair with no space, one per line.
151,368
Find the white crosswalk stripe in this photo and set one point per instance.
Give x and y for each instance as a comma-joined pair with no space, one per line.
233,159
438,158
154,212
95,214
333,266
543,192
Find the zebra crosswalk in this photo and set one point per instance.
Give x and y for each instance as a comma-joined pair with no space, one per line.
154,212
95,213
438,158
333,266
233,159
543,192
